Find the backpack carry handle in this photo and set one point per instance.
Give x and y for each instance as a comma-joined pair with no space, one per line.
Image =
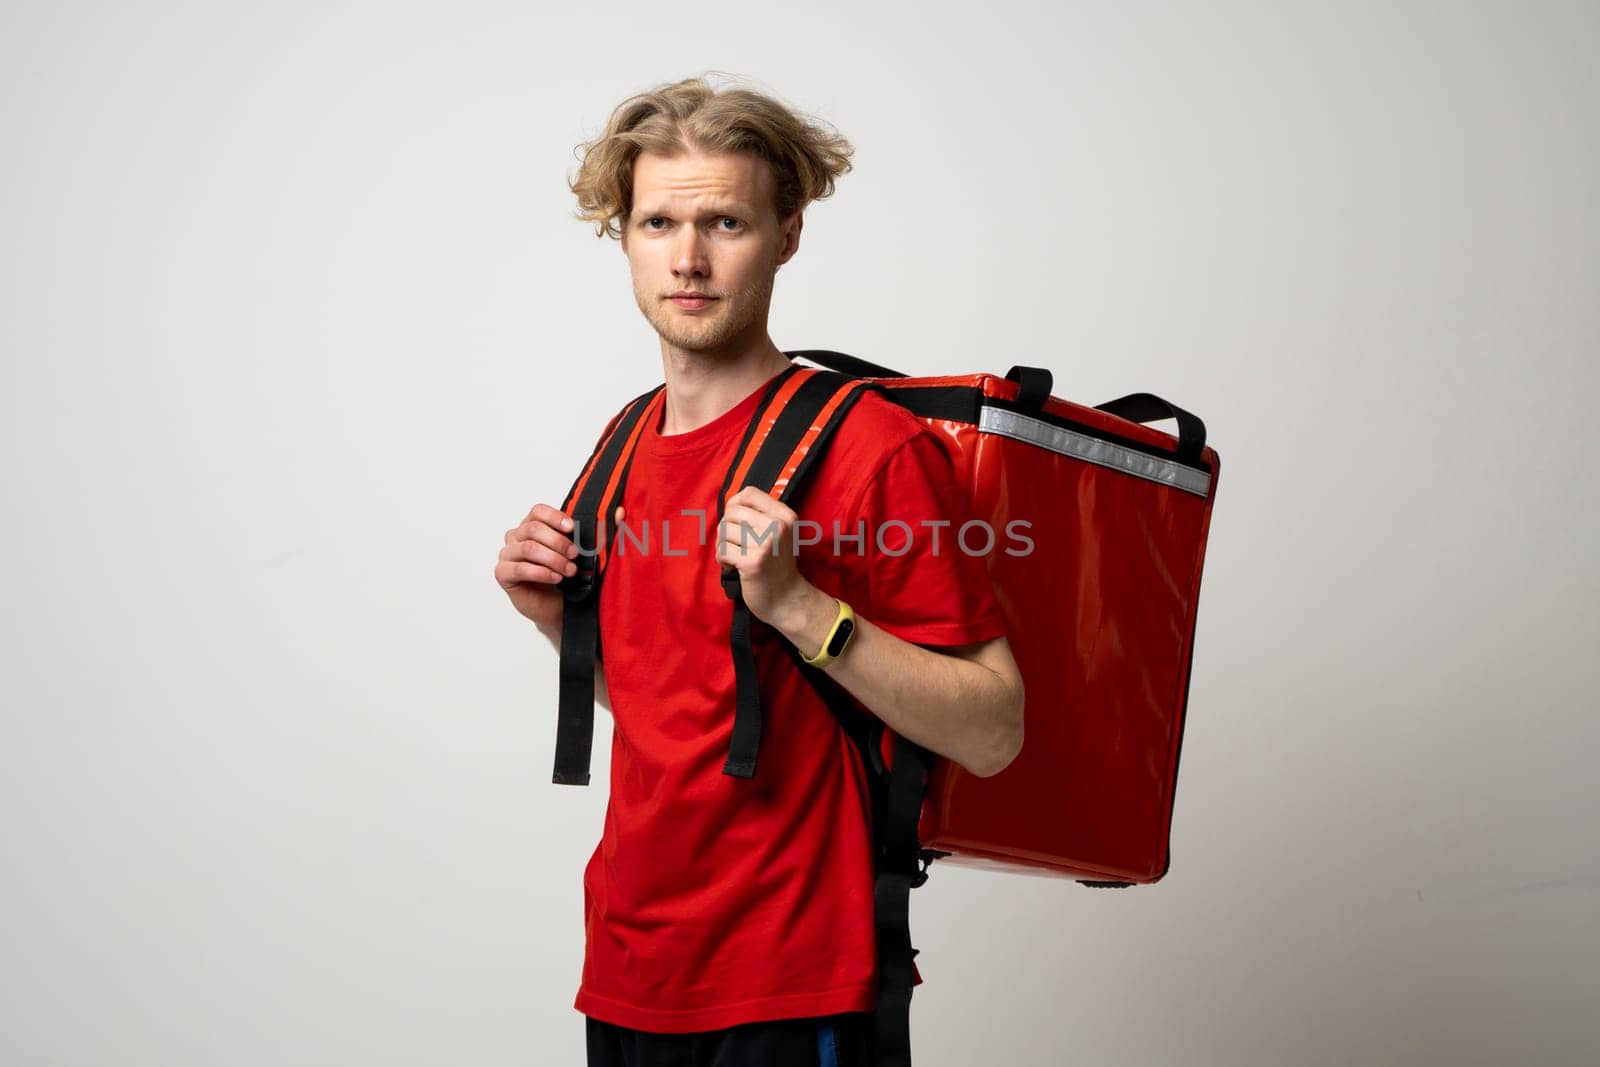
1147,407
1035,384
858,368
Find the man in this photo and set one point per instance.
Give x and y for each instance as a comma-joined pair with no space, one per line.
729,920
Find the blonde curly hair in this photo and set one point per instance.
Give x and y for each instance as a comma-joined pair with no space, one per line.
806,156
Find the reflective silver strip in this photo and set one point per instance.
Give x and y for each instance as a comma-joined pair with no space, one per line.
1093,450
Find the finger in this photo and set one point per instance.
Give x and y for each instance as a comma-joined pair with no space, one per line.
761,510
737,533
554,516
540,514
510,572
750,554
752,528
557,520
541,531
755,519
534,552
750,497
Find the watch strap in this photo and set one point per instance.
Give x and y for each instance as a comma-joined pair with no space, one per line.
839,634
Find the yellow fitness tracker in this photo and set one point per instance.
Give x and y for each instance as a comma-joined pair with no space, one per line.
844,626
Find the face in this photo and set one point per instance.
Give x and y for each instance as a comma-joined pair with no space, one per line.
704,223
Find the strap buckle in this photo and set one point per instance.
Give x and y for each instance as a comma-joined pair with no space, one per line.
577,587
731,582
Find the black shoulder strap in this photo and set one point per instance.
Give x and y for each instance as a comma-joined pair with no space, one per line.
900,863
591,502
845,364
899,872
799,418
792,427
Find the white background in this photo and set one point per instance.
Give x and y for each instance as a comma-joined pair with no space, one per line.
296,323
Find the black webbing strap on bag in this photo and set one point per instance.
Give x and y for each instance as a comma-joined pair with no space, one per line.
1147,407
899,861
899,872
802,416
1034,388
844,363
594,493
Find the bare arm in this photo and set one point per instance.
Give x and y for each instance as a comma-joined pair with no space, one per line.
964,703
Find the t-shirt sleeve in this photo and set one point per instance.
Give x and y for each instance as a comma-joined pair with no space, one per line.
920,581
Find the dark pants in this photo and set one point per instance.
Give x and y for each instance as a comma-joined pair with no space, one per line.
822,1041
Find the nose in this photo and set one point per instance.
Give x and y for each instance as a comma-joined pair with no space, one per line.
689,255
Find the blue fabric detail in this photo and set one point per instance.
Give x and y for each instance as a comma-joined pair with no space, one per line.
827,1046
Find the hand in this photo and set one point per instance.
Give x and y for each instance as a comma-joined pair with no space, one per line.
538,553
769,578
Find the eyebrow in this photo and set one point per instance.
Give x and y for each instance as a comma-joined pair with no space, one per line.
727,208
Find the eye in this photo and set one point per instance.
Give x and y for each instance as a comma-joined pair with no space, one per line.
729,218
648,221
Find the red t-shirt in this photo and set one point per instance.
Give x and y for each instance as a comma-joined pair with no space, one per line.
712,900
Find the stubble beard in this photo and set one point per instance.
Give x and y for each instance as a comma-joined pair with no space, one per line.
693,333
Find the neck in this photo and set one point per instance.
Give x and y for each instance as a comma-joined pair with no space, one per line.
703,385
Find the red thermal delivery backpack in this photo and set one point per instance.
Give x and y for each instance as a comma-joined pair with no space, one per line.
1100,616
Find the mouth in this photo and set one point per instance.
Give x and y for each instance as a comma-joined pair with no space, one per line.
690,301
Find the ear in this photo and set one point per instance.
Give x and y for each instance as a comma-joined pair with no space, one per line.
790,232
